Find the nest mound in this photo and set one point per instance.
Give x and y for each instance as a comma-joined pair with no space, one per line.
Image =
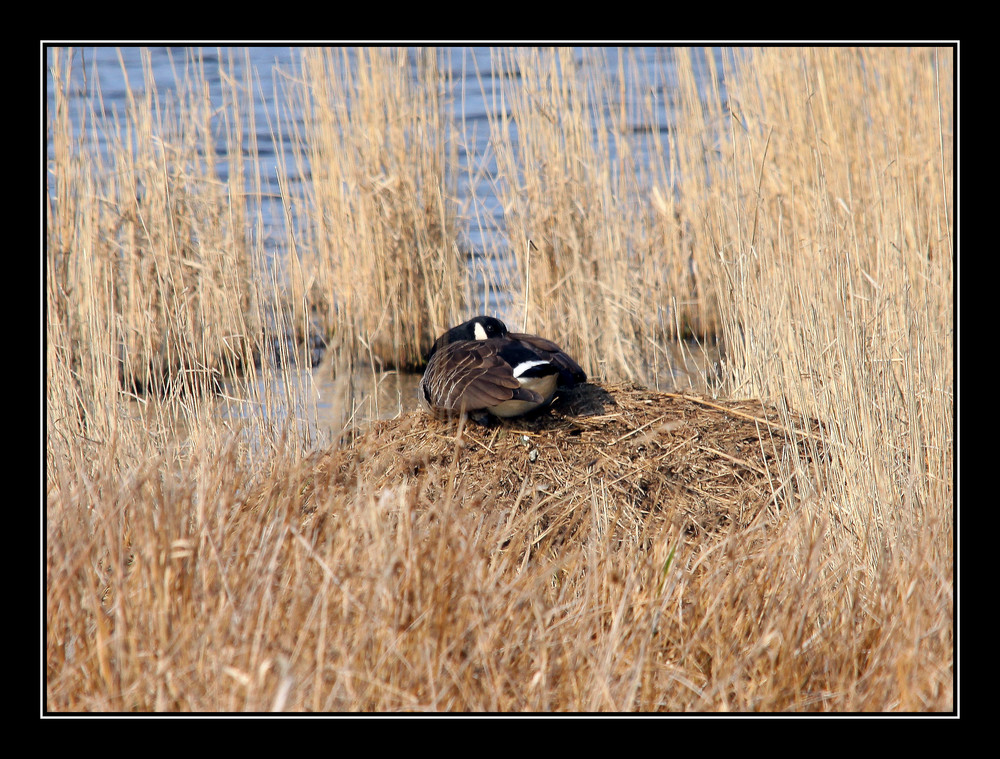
704,464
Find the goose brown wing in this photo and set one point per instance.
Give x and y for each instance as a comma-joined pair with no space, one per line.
467,375
568,368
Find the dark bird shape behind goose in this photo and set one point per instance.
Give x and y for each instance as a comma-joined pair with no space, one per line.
481,366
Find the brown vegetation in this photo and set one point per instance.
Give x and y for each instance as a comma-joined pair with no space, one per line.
209,549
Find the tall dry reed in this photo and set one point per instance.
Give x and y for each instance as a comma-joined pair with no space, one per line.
195,563
839,276
808,215
379,224
598,161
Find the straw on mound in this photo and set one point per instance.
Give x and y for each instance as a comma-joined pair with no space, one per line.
646,458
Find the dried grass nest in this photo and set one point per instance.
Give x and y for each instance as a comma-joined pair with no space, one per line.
709,465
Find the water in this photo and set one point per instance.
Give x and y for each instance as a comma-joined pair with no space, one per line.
102,77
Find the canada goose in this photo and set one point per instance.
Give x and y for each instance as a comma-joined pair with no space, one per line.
479,365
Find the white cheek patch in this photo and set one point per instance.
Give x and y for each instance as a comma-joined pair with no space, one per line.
526,365
478,331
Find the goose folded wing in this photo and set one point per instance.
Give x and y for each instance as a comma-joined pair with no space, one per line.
470,375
